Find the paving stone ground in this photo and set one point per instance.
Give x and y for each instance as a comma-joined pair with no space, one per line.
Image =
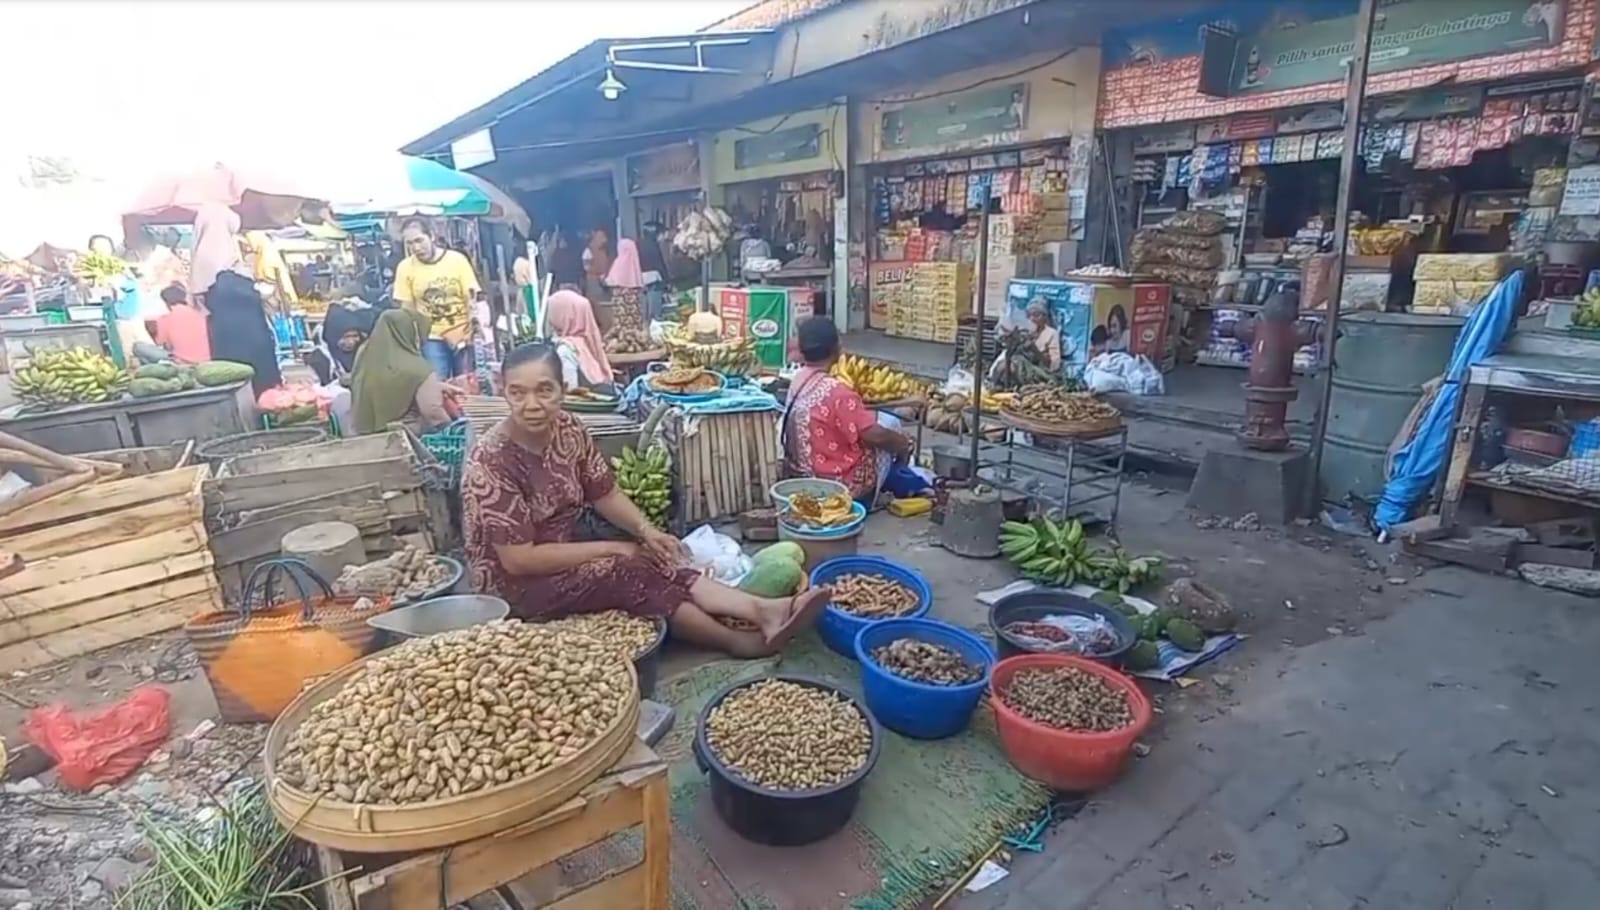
1442,757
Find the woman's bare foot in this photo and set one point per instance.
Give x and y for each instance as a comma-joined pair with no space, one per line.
801,611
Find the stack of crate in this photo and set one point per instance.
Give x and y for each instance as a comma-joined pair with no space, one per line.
943,292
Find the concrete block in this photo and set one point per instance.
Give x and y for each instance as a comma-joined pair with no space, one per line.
1233,481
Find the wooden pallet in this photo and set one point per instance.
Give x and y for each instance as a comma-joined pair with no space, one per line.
725,463
105,563
522,862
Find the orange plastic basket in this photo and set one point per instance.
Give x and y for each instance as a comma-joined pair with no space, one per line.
1065,759
259,657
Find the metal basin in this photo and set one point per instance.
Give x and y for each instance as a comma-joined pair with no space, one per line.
441,614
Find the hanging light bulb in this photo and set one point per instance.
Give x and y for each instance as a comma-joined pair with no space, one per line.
611,88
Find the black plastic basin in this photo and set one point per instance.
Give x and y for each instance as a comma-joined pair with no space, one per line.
782,818
1032,606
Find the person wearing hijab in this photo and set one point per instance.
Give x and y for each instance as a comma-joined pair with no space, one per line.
626,281
216,248
393,381
579,343
237,325
344,329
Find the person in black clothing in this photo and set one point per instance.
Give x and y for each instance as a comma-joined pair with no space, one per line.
239,330
344,329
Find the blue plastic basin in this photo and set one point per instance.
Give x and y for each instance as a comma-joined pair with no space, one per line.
910,708
839,628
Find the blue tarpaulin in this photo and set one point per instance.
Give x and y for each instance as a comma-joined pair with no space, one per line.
1419,462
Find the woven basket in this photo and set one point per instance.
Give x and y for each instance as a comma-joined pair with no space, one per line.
1080,429
373,828
257,658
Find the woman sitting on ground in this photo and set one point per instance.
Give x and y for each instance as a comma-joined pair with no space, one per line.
392,381
523,489
579,343
828,431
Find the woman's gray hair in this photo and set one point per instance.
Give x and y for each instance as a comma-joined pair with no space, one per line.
1037,306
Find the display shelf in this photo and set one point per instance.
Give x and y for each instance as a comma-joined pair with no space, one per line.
1078,477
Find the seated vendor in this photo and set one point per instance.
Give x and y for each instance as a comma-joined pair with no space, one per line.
579,343
392,381
523,489
828,431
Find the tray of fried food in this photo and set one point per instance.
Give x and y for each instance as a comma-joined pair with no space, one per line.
813,511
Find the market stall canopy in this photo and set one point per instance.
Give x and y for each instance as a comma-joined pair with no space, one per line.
263,199
420,186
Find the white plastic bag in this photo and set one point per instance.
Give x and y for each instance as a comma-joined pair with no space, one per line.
719,552
958,381
1118,371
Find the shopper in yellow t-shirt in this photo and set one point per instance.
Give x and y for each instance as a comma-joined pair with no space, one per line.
440,284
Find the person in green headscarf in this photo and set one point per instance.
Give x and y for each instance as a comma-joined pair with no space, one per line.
391,380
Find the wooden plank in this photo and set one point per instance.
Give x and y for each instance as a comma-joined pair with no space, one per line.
97,498
332,873
657,810
107,633
104,530
23,628
256,491
1468,417
373,447
264,538
351,498
75,567
489,862
616,891
54,597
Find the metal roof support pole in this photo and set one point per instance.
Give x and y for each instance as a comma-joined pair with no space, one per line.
1355,93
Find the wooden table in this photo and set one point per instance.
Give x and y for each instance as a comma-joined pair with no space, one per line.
130,423
522,860
632,365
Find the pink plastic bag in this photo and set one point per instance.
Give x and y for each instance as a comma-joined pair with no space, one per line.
106,745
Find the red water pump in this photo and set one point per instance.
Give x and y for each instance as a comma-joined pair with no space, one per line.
1274,334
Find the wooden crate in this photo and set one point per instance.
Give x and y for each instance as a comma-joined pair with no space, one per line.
379,482
106,563
523,860
725,463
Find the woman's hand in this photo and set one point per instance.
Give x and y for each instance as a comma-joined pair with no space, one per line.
626,549
661,548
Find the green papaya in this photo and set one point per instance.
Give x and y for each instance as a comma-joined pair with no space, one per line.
773,577
784,549
150,388
156,371
1144,655
1145,627
222,372
1185,635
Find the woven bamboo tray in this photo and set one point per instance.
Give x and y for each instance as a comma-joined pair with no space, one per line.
371,828
1081,429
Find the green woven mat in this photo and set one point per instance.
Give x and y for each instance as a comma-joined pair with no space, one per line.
928,811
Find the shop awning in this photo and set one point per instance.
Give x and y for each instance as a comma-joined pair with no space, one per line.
653,71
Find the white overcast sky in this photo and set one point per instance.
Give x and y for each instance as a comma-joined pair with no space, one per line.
122,88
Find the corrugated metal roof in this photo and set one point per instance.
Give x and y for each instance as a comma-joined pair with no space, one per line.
772,13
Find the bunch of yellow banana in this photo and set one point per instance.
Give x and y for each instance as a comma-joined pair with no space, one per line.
71,376
731,357
645,480
875,383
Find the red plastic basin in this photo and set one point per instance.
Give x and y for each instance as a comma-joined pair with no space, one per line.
1064,759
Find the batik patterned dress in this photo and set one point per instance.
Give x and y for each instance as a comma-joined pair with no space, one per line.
823,435
512,495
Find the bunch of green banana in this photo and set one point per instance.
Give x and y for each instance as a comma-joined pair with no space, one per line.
1057,553
646,480
71,376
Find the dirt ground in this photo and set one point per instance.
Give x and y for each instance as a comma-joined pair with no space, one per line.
1295,586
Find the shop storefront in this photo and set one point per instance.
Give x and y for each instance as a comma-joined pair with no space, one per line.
664,184
1019,144
1235,190
781,179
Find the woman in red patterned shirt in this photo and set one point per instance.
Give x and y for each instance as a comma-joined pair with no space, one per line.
828,431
